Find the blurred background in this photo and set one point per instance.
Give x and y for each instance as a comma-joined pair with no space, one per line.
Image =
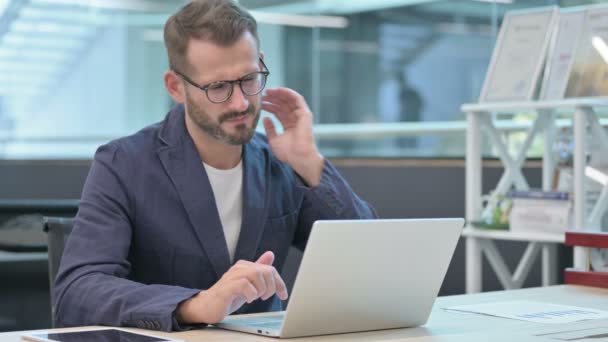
76,73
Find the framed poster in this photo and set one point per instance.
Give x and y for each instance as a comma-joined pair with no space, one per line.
519,54
561,54
589,74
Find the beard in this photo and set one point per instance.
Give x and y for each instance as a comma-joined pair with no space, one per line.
204,121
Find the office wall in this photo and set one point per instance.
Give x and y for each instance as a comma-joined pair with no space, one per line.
397,189
42,179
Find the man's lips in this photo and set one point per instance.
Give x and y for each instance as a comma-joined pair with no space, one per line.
239,118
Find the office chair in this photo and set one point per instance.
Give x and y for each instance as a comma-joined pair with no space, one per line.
58,229
20,236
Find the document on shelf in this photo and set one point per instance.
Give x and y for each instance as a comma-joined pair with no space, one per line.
532,311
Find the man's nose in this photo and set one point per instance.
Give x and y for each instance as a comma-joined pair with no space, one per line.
238,102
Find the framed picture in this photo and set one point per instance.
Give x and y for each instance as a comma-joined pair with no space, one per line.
561,53
589,74
519,54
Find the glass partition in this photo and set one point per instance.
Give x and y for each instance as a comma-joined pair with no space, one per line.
76,74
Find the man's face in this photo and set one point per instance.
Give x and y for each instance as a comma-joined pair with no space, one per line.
233,121
231,127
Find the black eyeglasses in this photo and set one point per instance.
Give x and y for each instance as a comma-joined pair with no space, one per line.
220,91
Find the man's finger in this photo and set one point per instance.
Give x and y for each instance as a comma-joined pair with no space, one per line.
281,288
255,275
286,95
266,259
246,289
270,283
272,107
281,102
287,119
271,133
283,93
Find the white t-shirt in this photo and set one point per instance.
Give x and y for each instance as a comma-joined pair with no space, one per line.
227,186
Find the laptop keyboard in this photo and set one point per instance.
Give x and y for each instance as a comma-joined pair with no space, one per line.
272,322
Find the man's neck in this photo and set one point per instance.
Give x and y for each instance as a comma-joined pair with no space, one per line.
212,151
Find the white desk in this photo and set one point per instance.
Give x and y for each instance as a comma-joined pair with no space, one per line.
442,325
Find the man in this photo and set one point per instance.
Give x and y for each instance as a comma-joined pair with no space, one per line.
188,220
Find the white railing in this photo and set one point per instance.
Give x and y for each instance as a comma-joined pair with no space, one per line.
75,146
411,129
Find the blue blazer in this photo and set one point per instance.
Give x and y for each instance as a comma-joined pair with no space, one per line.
148,234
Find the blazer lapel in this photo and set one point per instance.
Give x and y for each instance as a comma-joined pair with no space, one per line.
184,167
255,201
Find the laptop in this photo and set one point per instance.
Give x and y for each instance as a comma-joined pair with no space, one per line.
362,275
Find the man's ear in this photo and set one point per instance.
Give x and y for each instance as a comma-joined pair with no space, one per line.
175,87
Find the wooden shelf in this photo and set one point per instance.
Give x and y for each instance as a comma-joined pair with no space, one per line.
587,278
587,239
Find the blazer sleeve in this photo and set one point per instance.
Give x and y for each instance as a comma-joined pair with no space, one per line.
332,199
91,287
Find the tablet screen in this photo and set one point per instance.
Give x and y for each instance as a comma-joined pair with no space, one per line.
105,335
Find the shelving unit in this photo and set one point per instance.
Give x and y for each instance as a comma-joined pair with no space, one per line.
480,242
582,277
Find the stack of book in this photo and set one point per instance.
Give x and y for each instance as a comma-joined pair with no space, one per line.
537,210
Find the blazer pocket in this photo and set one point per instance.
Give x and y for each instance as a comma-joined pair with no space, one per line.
282,224
278,234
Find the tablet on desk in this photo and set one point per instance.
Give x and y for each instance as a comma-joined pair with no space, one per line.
103,335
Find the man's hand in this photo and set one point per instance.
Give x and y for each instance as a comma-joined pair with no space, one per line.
296,146
243,283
